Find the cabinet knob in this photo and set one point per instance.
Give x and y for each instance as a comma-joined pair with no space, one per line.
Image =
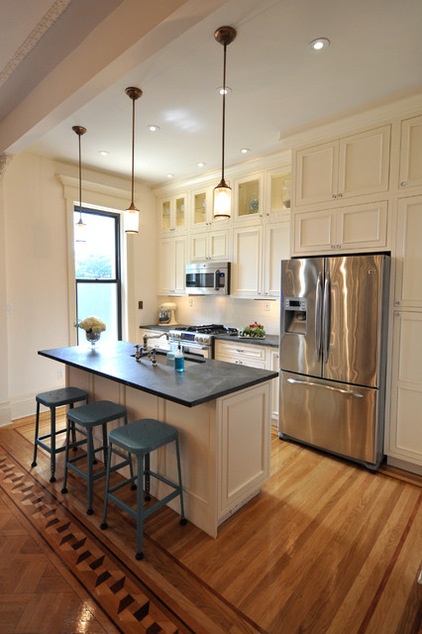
340,195
334,196
403,184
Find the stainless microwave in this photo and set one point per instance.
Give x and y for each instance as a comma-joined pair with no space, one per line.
208,278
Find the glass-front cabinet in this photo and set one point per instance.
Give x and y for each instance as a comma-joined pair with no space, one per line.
173,213
278,198
248,198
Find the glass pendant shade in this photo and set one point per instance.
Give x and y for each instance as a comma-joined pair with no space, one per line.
80,230
222,200
131,220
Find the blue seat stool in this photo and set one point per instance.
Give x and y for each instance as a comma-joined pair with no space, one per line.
52,400
83,420
139,439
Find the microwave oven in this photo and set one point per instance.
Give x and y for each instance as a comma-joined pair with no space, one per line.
208,278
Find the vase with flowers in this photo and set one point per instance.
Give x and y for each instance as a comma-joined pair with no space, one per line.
93,327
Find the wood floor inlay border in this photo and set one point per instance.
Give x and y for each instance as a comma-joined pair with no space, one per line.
128,604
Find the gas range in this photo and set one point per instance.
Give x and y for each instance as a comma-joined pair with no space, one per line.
199,339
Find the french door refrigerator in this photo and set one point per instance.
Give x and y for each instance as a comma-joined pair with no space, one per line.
333,337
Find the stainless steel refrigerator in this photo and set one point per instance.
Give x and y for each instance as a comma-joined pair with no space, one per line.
333,339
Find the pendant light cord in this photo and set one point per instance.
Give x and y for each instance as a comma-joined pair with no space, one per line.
224,116
133,151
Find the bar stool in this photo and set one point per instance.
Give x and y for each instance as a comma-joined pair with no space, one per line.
52,400
140,438
83,419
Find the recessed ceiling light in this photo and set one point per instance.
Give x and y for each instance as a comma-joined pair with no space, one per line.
220,90
201,164
103,152
320,44
170,175
245,150
153,128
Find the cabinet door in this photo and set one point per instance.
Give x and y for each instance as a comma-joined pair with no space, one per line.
411,153
277,195
218,245
316,174
408,290
314,231
404,437
198,247
364,162
248,198
173,213
246,269
362,226
276,248
172,266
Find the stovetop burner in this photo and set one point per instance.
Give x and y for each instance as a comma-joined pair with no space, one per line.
208,329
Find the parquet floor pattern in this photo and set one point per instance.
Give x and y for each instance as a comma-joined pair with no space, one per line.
326,548
125,602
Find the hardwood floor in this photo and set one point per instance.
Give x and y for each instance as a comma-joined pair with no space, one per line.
326,547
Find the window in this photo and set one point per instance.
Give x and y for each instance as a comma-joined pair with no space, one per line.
98,271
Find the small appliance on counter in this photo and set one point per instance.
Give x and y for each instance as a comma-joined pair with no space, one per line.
166,314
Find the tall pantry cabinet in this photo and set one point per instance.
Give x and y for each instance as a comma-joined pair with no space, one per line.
404,437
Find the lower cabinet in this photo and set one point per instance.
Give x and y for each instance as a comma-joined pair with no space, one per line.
403,443
254,356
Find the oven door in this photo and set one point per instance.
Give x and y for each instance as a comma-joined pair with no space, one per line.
197,349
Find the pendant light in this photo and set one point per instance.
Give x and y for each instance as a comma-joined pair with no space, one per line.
132,214
223,193
80,226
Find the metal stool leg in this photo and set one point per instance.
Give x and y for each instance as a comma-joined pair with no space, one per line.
37,424
140,508
103,524
147,495
90,467
53,443
183,520
66,456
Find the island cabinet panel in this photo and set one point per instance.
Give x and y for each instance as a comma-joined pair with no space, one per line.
243,447
224,444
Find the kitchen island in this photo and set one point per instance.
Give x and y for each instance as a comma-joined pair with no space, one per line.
222,413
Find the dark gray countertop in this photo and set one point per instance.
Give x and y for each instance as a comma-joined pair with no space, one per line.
270,340
199,383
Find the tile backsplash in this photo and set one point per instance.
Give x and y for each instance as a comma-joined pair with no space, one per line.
196,310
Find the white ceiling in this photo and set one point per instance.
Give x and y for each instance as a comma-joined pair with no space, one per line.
68,63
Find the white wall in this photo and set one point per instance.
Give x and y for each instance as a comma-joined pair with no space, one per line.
35,251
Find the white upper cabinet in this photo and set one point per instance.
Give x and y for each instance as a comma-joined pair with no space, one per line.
248,201
209,245
257,252
357,165
355,228
172,265
411,153
408,292
173,214
277,194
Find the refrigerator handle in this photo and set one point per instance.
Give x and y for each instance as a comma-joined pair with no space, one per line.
318,316
326,321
